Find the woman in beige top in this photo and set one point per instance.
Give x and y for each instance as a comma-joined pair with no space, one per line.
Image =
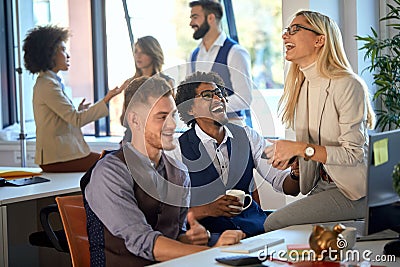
328,106
60,146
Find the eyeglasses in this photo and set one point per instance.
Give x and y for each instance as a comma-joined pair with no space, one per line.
209,94
293,29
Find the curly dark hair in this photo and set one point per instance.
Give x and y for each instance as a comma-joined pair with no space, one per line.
186,92
40,47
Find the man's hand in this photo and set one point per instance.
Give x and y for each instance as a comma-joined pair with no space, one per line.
230,237
223,206
197,235
83,105
295,167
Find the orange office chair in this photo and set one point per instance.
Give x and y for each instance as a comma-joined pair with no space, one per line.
73,217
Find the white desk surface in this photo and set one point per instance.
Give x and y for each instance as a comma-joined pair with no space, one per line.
293,235
60,183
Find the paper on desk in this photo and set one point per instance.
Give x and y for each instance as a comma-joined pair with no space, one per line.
13,174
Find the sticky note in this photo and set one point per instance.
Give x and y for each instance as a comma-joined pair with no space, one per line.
380,151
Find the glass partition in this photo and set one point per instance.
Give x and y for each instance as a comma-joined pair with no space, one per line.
168,21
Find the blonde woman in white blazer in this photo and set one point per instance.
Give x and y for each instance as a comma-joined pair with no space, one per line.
328,106
60,146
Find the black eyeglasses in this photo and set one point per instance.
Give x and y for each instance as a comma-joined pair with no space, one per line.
293,29
209,94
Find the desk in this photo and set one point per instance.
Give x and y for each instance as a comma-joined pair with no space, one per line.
19,214
293,235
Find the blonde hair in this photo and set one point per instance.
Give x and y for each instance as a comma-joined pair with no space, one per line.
332,63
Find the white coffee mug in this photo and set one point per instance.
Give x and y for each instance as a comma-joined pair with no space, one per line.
242,196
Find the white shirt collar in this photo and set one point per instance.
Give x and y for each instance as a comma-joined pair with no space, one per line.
218,42
205,138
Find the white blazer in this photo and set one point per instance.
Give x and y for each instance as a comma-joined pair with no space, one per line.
342,117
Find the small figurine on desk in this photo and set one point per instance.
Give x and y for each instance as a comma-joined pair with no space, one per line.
326,242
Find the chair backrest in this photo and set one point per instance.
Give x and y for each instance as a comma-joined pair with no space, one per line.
73,217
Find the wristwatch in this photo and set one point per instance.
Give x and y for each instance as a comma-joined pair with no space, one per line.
309,152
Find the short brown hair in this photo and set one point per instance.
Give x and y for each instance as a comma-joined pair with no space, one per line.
140,89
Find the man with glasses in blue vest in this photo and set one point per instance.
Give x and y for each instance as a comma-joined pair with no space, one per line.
220,156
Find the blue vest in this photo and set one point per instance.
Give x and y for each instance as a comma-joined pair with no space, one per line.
221,68
206,185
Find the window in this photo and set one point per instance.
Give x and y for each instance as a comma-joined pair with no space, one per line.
169,23
260,34
76,15
8,114
259,27
259,30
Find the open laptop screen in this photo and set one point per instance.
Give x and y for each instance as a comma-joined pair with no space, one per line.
383,206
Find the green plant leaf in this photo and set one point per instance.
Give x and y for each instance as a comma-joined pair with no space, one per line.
384,56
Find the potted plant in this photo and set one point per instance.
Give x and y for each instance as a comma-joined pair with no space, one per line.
385,66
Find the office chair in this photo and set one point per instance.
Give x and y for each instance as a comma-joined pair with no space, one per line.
73,217
49,237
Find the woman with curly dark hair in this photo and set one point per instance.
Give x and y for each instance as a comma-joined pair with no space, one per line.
60,146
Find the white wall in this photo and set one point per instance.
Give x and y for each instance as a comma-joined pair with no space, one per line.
354,17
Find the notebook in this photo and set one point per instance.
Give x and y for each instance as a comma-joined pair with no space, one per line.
249,246
12,174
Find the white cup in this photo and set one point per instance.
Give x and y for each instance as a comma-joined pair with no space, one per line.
242,196
350,235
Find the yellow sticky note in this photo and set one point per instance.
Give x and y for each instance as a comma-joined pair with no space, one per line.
380,151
